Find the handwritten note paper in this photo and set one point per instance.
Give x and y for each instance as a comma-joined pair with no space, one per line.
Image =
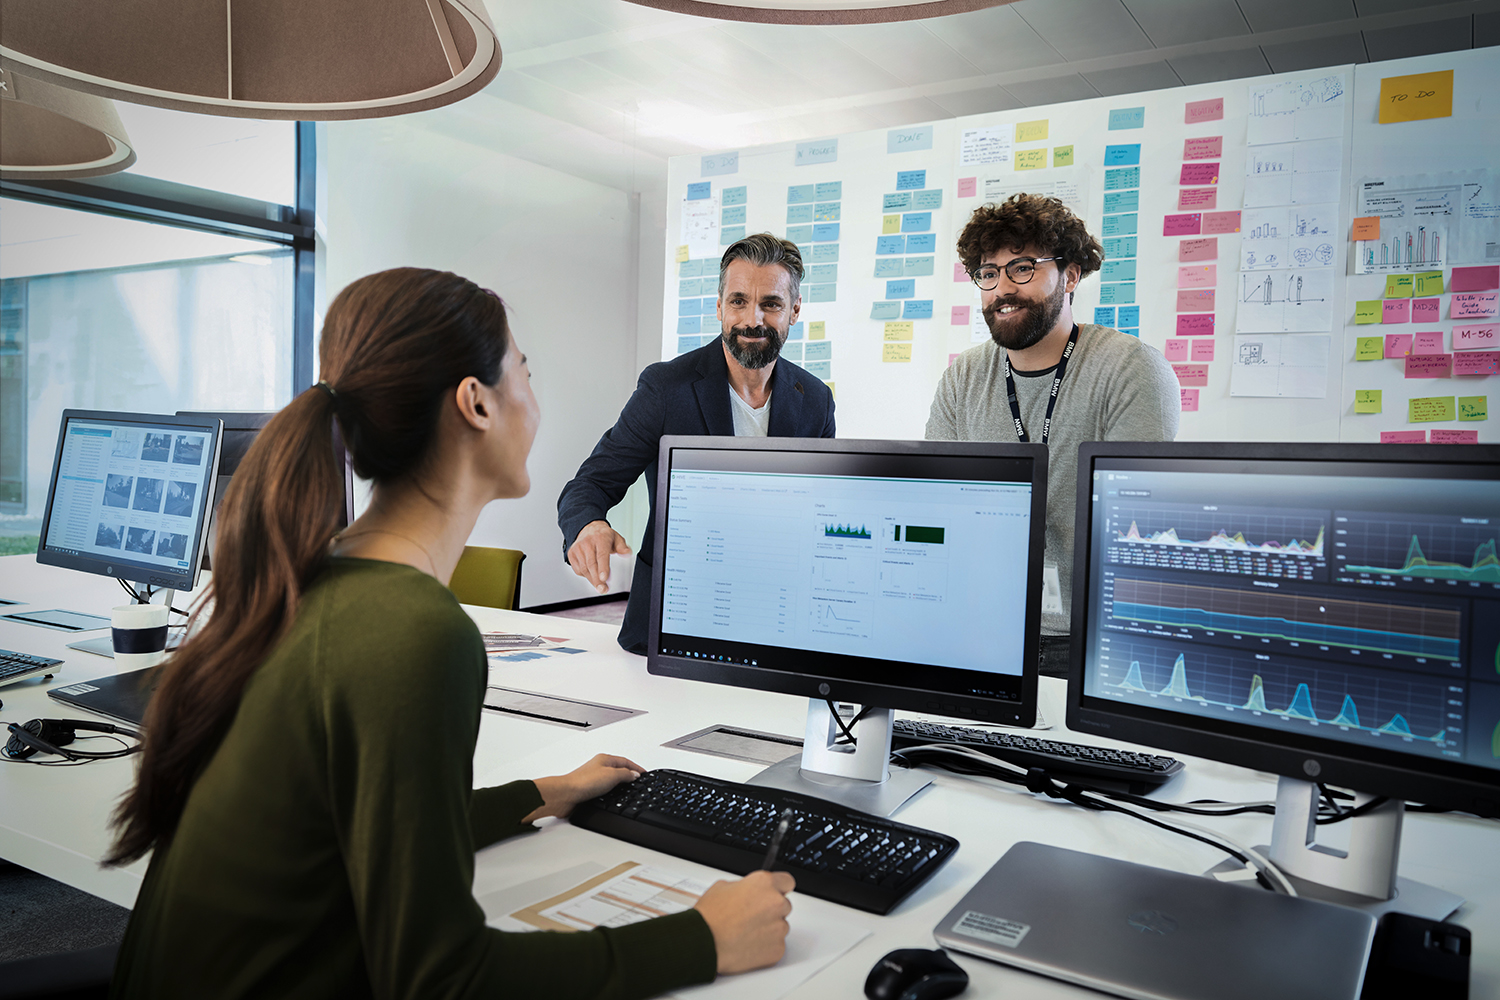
1201,325
1429,365
1366,228
1211,110
817,330
911,180
1182,225
1062,156
1031,131
1367,400
1198,276
1199,173
895,353
1206,248
1203,350
1476,363
1367,311
1123,118
1368,349
1397,345
1221,222
1031,159
1473,305
1189,400
1188,375
1427,343
1197,300
1473,408
1476,279
1403,437
1413,98
899,330
968,187
1425,311
1203,148
1448,435
1398,286
1428,408
1177,349
1476,338
1395,311
1188,198
1429,282
1122,155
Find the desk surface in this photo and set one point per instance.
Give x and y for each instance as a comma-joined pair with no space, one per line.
54,820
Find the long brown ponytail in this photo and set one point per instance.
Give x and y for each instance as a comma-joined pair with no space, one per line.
394,345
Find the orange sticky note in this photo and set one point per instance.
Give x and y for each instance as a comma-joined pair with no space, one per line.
1412,98
1367,228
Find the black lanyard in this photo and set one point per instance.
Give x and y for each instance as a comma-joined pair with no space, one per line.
1015,406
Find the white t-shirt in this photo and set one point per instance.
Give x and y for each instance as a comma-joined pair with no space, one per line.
748,421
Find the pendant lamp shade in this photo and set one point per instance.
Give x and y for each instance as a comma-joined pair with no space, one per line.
304,60
821,11
51,132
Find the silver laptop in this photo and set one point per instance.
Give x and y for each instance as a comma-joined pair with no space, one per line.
1155,934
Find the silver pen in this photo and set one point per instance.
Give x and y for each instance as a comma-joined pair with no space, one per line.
776,838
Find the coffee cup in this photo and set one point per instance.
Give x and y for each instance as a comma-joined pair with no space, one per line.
140,634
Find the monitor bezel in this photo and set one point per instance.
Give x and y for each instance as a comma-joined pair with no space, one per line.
184,579
806,680
1440,783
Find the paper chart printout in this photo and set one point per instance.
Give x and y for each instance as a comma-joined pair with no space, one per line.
626,894
1302,173
1306,109
1288,236
1285,301
1429,220
1287,366
700,226
991,144
1071,190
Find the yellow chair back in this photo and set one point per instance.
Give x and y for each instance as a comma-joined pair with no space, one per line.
488,577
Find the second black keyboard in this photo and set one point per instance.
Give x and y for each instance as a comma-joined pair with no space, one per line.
835,853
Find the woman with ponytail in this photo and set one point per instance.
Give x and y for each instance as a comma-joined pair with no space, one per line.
306,785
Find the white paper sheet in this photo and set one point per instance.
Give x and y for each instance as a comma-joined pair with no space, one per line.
1280,365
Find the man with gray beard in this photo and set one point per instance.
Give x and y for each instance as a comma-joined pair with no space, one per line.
738,385
1044,377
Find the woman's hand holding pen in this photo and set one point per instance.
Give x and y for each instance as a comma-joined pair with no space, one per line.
748,919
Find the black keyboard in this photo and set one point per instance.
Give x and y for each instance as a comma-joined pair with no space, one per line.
1061,760
835,853
18,666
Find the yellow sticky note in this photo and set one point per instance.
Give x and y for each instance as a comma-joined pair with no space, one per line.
817,330
1031,131
890,224
1031,159
1366,400
1412,98
1425,408
895,352
899,330
1062,156
1398,286
1369,349
1429,283
1366,228
1473,408
1368,312
682,253
832,391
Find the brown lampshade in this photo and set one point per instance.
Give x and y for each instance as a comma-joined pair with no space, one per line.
820,11
286,59
49,132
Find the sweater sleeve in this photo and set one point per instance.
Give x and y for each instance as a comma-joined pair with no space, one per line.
1144,399
942,419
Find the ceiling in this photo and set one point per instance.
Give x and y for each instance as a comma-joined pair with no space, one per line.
607,89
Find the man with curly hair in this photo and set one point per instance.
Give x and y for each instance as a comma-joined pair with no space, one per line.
1044,377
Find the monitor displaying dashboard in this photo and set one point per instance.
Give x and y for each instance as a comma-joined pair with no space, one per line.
897,574
130,496
1324,612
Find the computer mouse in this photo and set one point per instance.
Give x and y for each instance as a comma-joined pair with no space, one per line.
915,974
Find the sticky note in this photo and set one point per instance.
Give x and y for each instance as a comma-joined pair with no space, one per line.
920,267
1203,350
1191,374
917,309
889,267
1425,311
1428,408
825,253
1119,118
1368,349
1403,437
821,351
1203,148
921,243
1199,173
826,231
896,201
829,191
699,191
1221,222
968,187
1119,246
1473,408
1399,286
731,234
1062,156
1211,110
1367,400
734,195
682,253
1476,338
885,310
799,234
959,316
1118,270
1197,300
1415,97
1182,225
1430,283
1476,363
1119,225
900,289
959,273
1122,178
1114,293
1365,228
819,369
1104,315
899,330
1367,311
735,215
822,151
1189,198
1429,365
1206,248
1177,348
1031,131
916,222
1198,276
1395,311
927,199
689,268
689,324
1121,201
1195,326
1475,279
906,140
1445,435
1430,342
1130,316
1473,305
890,224
1397,345
1031,159
895,352
1189,400
716,164
911,180
817,330
796,214
890,244
1122,155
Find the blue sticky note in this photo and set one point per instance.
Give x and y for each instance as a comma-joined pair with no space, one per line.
824,253
731,234
906,140
826,211
819,293
1127,118
796,332
1130,315
689,268
932,198
900,289
799,234
896,201
820,369
1118,225
799,193
825,232
1104,315
715,164
685,344
885,310
1122,201
1122,156
1119,246
889,267
734,215
791,351
890,244
911,180
805,249
687,286
699,191
916,222
708,338
689,324
921,243
1132,332
920,267
1118,270
917,309
687,307
709,286
822,151
733,196
1122,178
1115,294
830,190
710,306
819,273
818,350
799,213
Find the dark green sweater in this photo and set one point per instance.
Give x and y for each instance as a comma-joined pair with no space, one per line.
328,847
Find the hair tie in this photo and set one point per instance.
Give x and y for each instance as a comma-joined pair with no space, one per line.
328,389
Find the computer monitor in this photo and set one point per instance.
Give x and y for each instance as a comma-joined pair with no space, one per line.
130,495
1327,613
895,574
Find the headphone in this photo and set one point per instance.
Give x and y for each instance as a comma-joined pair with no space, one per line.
51,735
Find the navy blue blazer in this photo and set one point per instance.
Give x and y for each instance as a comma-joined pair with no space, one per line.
687,395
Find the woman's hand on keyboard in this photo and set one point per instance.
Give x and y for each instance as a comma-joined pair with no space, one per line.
748,919
560,793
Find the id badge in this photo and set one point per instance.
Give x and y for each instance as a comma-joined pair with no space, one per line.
1051,590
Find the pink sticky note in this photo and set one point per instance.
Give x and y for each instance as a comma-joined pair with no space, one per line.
952,358
1425,311
968,187
959,274
1221,222
1397,345
1198,276
1203,350
1476,363
1191,374
1182,225
960,316
1199,249
1200,325
1189,400
1475,279
1403,437
1199,173
1396,311
1427,342
1429,365
1177,349
1476,338
1203,148
1444,435
1195,301
1198,198
1474,305
1211,110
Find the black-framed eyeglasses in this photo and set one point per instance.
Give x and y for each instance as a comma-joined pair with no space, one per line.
1019,271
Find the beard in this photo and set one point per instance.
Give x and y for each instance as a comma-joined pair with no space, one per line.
1027,325
752,356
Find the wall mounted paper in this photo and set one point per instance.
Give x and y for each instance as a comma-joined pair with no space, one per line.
1367,400
733,216
885,310
1428,282
829,191
1198,276
797,331
1121,201
1122,155
685,344
1197,300
1130,316
1104,315
700,226
1206,248
819,369
1365,228
796,214
906,140
968,187
960,316
895,352
1191,374
1119,246
1369,349
1031,131
960,275
911,180
1199,173
1424,409
1203,350
825,253
791,351
699,191
1473,305
821,350
899,330
1189,398
797,194
890,244
822,151
1211,110
900,289
1399,286
1198,198
1118,270
1403,437
690,268
1446,435
1031,159
1430,342
1119,118
1285,301
820,293
717,164
1221,222
991,144
800,234
918,267
1397,345
1122,178
1395,311
1473,408
1182,225
916,222
682,254
1303,109
827,211
921,243
1284,366
826,232
1119,225
1425,311
817,330
1415,97
1476,338
734,195
890,224
1429,365
917,309
1177,349
1203,148
1476,363
1062,156
1475,279
1367,311
1116,293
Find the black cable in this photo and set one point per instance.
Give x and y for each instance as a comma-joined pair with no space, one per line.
147,599
838,720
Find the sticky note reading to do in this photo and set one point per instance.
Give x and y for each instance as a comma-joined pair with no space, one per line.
1413,98
1367,400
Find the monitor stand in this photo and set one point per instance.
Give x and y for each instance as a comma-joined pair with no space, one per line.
104,645
859,777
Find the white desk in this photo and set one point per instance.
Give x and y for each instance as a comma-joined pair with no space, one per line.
53,820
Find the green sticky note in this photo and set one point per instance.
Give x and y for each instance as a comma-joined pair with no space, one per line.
1398,286
1425,408
1368,312
1473,408
1062,156
1369,349
1366,400
1428,283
